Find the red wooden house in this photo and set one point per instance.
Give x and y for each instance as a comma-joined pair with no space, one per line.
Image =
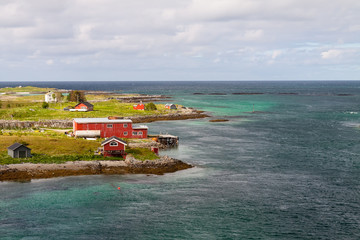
84,106
108,127
139,106
114,147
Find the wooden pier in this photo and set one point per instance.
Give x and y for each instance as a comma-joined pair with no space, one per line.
167,139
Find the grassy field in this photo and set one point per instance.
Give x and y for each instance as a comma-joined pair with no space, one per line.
31,111
53,147
29,107
24,89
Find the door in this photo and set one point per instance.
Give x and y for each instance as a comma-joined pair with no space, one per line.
22,154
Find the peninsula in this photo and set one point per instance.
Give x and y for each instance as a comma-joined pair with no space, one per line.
42,119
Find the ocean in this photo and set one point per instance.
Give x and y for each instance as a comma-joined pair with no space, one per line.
285,166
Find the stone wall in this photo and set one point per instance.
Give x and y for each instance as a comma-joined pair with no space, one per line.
13,124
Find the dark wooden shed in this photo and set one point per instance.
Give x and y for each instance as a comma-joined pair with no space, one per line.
18,150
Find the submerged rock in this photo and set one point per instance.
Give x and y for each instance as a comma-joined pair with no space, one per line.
219,120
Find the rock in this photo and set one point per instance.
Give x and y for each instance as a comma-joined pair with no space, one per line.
21,172
218,120
130,160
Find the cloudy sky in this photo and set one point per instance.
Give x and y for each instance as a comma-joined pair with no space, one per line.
51,40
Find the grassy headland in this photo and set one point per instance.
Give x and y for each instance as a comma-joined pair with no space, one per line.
53,147
28,106
33,111
10,90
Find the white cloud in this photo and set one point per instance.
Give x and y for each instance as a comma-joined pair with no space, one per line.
332,53
275,54
253,35
50,62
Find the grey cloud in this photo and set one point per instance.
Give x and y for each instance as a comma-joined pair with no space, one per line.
178,35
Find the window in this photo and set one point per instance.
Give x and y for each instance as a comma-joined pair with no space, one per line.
134,133
125,133
109,126
140,133
125,125
114,144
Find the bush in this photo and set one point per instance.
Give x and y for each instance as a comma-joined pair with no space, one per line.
45,105
76,96
150,107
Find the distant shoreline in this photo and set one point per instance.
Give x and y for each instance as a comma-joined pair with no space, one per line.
28,171
57,123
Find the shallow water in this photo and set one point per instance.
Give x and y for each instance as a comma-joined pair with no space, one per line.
290,171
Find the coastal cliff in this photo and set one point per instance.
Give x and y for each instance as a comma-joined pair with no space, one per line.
28,171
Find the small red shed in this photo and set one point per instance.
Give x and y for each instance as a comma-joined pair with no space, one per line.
139,106
85,106
114,147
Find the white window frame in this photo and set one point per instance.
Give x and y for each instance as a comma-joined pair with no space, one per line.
109,125
125,125
134,133
114,144
140,133
125,133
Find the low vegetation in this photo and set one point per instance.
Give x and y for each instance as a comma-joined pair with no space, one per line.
24,89
27,104
31,107
54,147
26,111
150,107
142,154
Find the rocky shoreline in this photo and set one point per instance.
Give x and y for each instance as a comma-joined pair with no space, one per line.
28,171
16,124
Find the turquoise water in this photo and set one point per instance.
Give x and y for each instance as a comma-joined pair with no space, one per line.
291,170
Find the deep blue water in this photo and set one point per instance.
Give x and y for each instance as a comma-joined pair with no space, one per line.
291,170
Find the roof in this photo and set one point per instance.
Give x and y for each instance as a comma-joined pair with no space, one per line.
113,138
167,136
101,120
140,127
86,104
16,146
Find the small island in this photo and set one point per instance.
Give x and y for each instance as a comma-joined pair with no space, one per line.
42,119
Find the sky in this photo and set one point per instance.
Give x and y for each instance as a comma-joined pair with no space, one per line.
133,40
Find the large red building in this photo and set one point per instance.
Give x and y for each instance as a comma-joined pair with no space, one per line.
108,127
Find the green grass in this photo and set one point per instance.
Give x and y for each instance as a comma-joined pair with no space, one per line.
25,89
50,144
33,111
47,159
142,154
53,147
29,107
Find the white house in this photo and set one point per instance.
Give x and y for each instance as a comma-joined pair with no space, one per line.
50,97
